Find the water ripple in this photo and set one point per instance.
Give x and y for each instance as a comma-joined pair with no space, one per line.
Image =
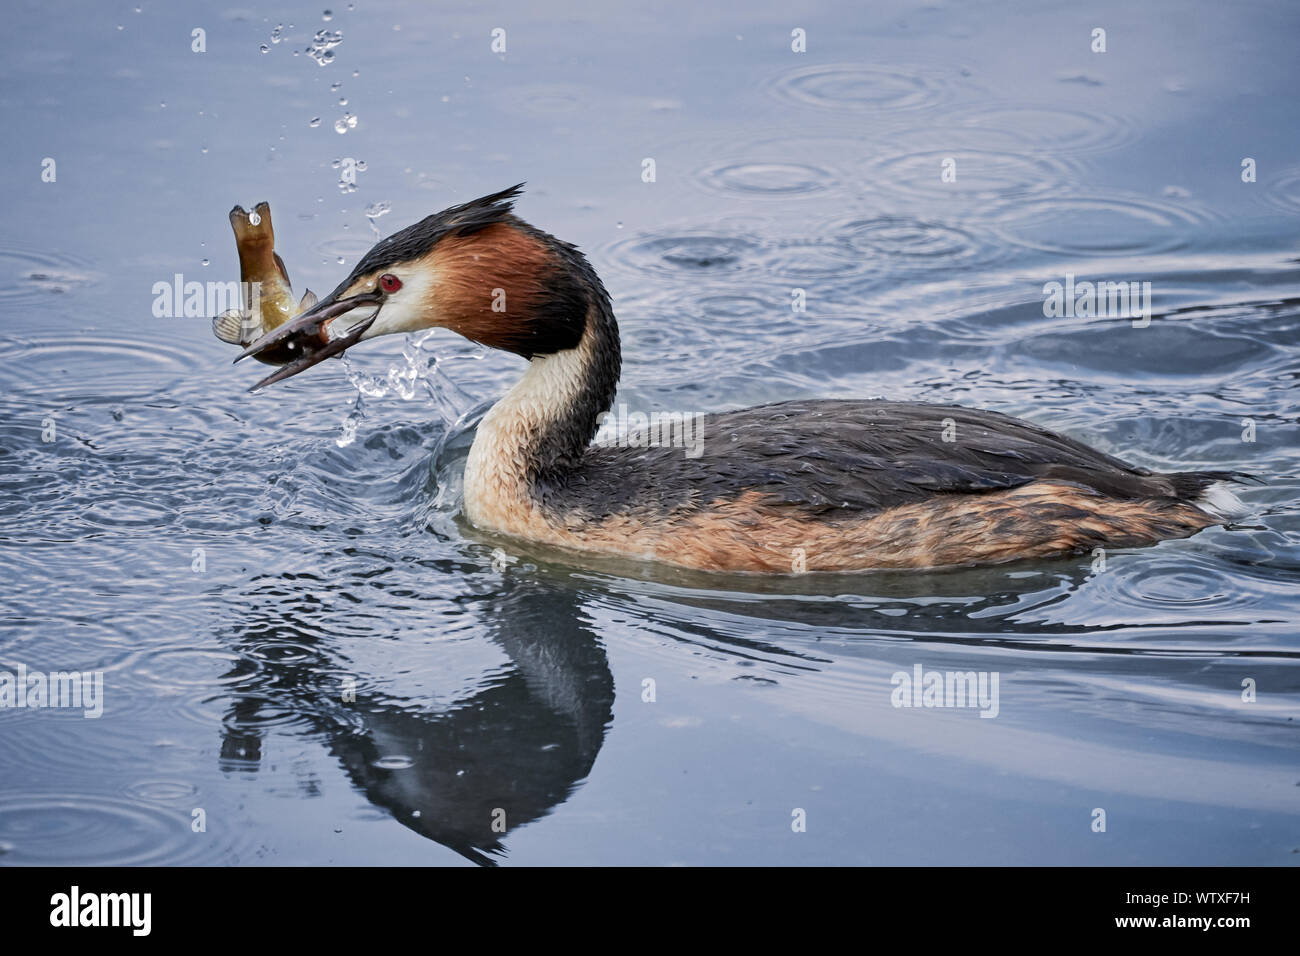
688,256
87,829
107,369
543,99
800,259
1074,130
1176,584
770,180
1283,191
166,792
1109,225
918,241
859,88
980,175
27,276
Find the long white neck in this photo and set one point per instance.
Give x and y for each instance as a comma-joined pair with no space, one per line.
541,427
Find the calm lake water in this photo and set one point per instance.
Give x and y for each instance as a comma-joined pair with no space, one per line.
308,657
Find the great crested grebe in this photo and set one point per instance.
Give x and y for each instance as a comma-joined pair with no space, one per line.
816,485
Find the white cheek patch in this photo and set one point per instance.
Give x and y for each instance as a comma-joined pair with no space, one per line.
410,308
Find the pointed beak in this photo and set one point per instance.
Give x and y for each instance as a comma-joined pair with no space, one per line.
310,336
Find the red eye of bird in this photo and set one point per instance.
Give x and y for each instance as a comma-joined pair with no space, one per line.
389,282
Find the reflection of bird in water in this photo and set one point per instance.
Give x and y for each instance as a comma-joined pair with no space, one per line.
474,770
802,485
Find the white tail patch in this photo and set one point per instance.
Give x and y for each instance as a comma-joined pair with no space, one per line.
1221,501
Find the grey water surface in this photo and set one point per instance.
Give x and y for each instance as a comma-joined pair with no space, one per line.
307,656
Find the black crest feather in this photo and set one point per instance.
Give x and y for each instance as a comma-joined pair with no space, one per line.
417,239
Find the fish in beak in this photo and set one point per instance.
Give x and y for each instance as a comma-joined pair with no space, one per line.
261,270
430,275
310,336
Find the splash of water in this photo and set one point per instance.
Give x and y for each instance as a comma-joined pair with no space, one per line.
351,422
421,372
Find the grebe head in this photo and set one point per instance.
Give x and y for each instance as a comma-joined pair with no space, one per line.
474,268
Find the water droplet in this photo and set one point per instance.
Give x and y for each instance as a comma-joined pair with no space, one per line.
264,48
203,149
361,165
375,210
204,261
315,121
323,44
344,123
340,260
327,15
276,36
356,73
254,218
343,101
334,87
619,224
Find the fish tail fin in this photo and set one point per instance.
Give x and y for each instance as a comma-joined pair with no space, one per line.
236,327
